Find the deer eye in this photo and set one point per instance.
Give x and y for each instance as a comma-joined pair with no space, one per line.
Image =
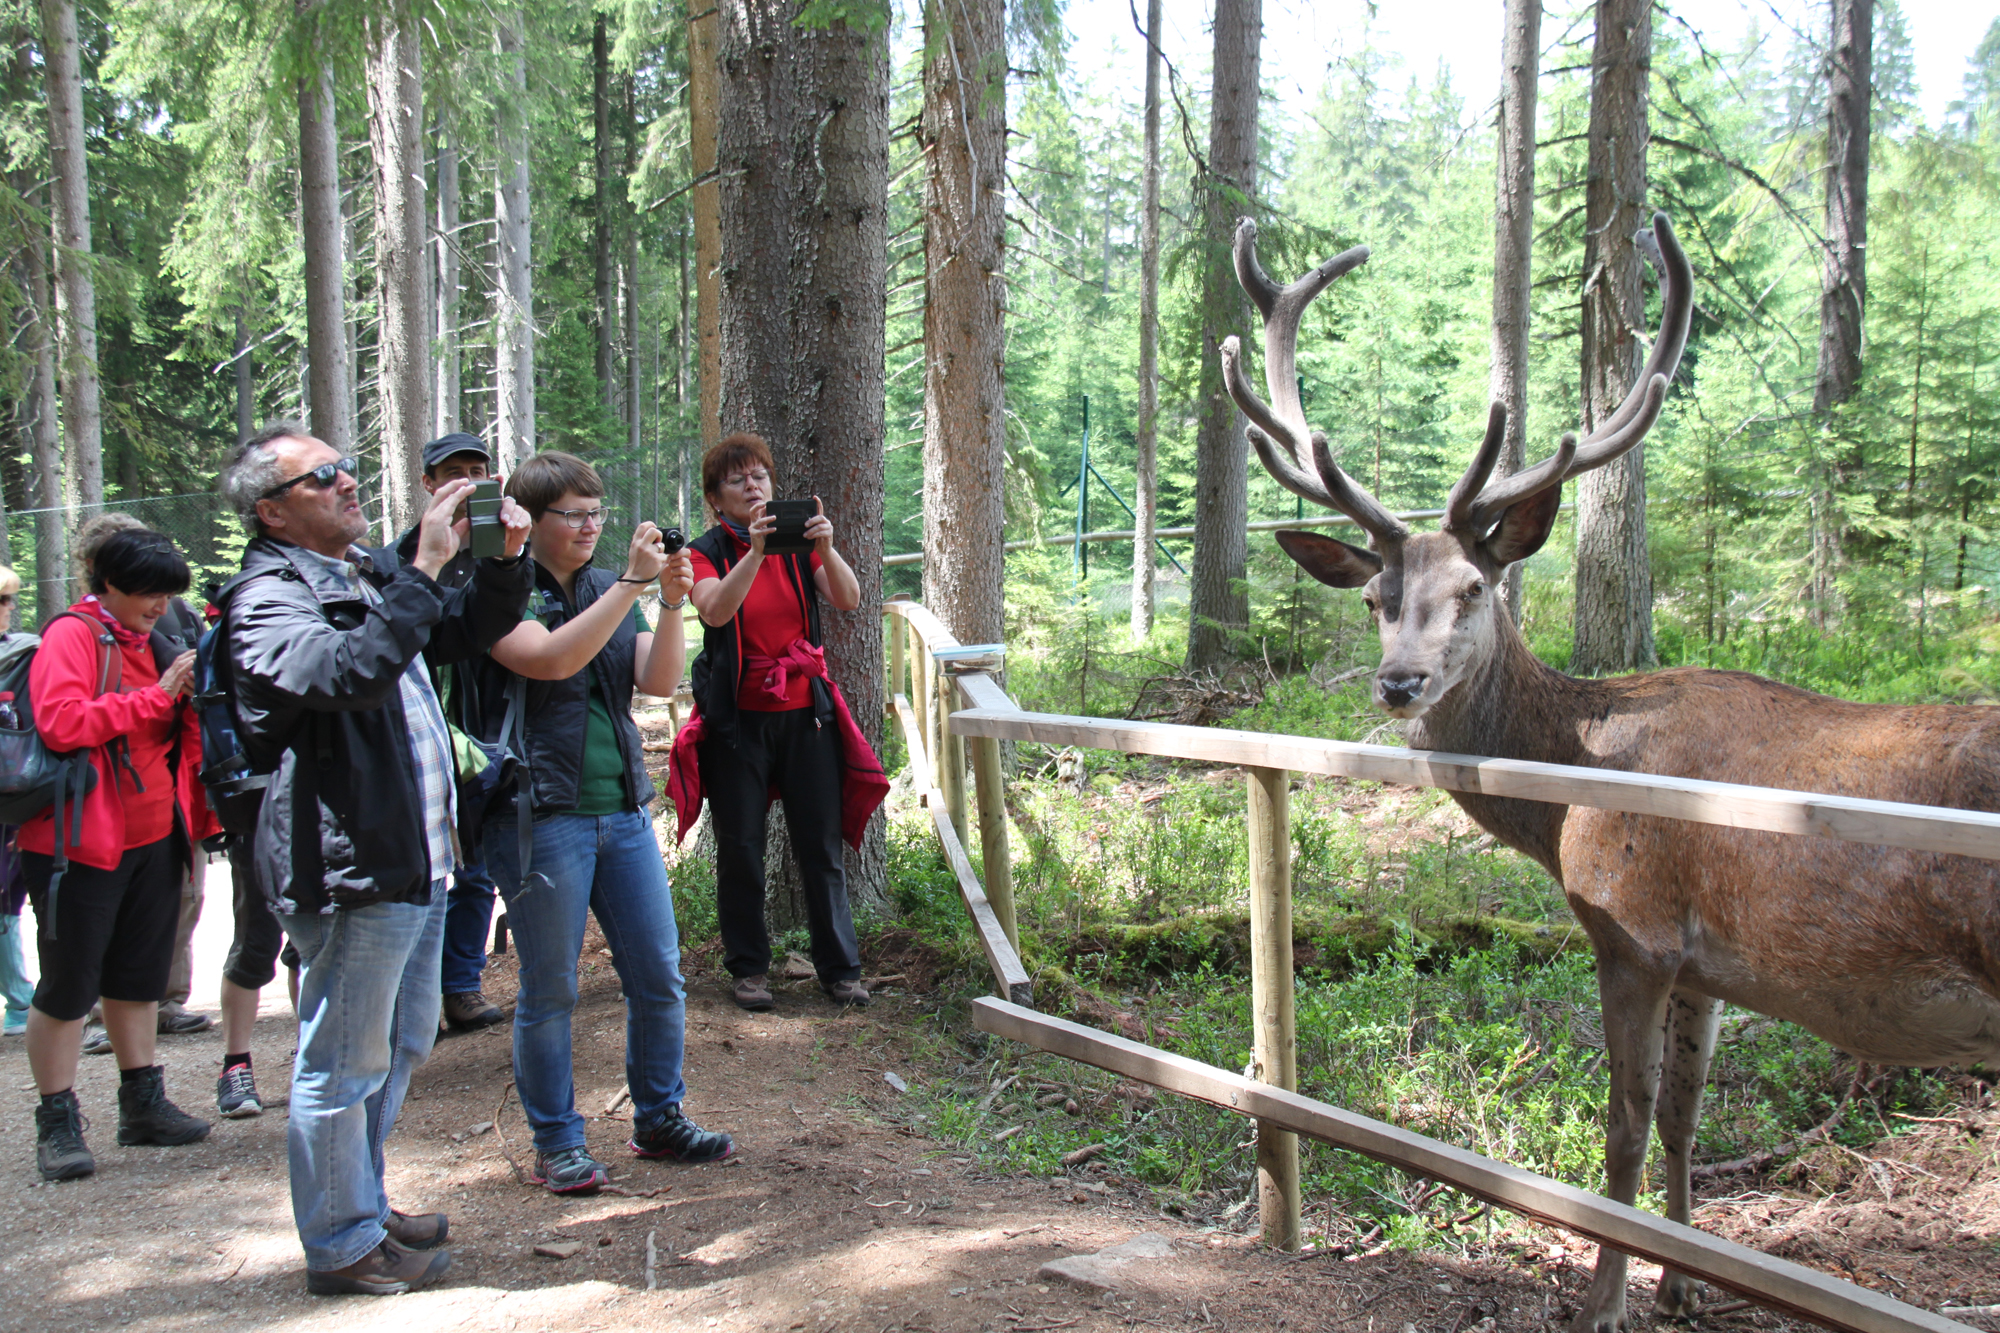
1472,593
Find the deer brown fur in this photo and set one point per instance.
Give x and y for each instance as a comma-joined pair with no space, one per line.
1890,955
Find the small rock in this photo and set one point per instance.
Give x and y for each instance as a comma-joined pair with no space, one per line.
480,1128
1107,1269
559,1249
895,1080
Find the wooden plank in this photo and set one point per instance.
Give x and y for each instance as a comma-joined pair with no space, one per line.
1274,1035
920,763
1888,823
995,856
1763,1278
983,692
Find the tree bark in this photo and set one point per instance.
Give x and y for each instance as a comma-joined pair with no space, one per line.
402,360
1614,583
1146,471
604,228
323,237
704,77
963,133
38,349
82,415
246,376
1219,607
803,131
445,401
514,314
1513,242
635,418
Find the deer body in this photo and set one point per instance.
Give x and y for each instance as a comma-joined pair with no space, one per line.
1890,955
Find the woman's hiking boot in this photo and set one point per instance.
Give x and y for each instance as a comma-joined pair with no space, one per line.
145,1116
386,1270
59,1147
675,1136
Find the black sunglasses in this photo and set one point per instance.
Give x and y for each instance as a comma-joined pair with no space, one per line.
321,476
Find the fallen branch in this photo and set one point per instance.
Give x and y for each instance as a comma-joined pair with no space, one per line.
1760,1161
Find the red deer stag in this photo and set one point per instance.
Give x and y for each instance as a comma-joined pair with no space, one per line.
1892,956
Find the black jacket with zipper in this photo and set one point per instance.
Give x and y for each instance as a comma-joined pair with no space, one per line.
318,679
558,711
717,676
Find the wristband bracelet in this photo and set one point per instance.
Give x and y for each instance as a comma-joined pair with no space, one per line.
641,582
673,606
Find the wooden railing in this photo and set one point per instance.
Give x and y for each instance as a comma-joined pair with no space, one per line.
921,649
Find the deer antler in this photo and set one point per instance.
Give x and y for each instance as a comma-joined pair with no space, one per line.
1475,508
1278,429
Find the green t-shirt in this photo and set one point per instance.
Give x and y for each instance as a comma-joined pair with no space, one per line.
600,779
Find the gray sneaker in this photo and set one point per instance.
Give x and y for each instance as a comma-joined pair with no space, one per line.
569,1171
236,1093
96,1041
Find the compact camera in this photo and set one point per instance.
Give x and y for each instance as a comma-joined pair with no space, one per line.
489,535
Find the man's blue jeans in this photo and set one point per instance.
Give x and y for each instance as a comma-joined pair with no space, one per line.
15,990
610,865
468,923
368,1013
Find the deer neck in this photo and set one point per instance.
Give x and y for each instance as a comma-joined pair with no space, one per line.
1512,706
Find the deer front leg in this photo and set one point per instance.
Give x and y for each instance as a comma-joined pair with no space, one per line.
1634,996
1692,1021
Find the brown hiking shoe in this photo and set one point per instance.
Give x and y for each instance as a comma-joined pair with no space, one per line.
846,992
418,1231
386,1270
468,1011
754,993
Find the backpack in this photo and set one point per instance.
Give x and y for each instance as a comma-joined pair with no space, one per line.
234,785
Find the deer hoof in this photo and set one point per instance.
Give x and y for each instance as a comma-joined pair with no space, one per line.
1609,1320
1679,1298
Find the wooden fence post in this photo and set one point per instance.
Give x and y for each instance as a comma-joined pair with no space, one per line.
1271,997
898,631
951,752
998,862
920,698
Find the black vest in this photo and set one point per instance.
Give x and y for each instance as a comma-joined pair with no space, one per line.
718,673
558,711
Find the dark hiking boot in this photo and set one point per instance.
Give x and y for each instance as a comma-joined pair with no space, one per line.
145,1116
468,1011
59,1147
754,994
846,992
387,1270
417,1231
676,1137
176,1021
569,1171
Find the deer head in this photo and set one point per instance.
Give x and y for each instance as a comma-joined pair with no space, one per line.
1432,594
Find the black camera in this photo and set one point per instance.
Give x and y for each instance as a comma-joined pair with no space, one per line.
789,537
489,535
672,539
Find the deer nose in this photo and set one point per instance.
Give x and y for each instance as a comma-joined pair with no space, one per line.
1400,687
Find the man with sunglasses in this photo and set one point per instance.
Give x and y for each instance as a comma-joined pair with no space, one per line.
355,843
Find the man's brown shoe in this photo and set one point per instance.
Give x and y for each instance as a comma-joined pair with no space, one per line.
420,1231
469,1011
386,1270
754,993
846,992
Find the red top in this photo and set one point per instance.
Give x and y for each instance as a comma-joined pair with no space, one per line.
71,715
774,618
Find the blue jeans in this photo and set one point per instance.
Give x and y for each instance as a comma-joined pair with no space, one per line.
610,865
467,922
368,1013
14,987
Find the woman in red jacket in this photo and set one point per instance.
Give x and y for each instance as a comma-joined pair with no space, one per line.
107,926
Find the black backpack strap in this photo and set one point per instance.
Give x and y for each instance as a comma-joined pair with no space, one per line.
71,787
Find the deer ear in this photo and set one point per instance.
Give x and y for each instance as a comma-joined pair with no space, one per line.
1334,563
1524,527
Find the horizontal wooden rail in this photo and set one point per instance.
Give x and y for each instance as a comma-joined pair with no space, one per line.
1763,1278
1886,823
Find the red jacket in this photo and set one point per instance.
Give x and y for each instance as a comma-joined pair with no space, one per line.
71,715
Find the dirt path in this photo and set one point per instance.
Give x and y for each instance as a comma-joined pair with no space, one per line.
834,1216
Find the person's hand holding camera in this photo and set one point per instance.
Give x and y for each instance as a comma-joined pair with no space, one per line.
762,524
438,531
518,525
819,528
178,678
678,580
648,555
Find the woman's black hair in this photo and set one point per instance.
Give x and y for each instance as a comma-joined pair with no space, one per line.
141,563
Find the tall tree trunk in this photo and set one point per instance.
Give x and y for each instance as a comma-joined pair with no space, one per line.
604,227
803,125
514,301
1146,472
704,79
82,416
323,238
1614,584
1513,241
1843,277
38,409
402,360
963,133
246,376
1220,603
628,222
445,402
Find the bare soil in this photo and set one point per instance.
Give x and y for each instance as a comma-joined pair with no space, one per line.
837,1213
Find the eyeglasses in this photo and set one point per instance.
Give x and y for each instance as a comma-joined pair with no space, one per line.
322,476
582,518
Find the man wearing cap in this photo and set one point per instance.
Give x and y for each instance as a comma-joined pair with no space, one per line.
466,1008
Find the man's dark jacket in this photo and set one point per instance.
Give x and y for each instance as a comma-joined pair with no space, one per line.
317,679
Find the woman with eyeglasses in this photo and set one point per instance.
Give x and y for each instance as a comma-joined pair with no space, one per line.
571,668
